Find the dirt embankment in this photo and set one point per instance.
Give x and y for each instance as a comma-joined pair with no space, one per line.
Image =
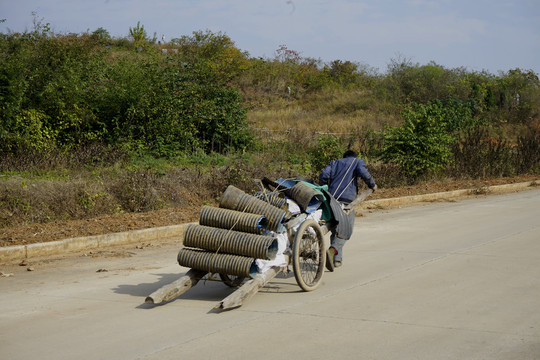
58,230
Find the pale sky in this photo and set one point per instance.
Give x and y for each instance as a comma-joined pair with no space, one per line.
492,35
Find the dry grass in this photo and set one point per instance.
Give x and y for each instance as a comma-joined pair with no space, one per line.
337,112
83,194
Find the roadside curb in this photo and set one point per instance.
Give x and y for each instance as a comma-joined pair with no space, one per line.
448,195
11,253
19,252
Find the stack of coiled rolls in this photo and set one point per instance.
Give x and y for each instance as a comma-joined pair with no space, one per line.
230,238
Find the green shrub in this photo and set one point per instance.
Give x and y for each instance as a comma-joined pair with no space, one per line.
414,83
63,91
138,33
328,148
421,145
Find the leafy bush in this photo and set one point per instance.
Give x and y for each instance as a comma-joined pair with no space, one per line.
138,33
63,91
422,144
217,49
414,83
328,148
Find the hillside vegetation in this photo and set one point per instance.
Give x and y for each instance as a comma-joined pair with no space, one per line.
92,125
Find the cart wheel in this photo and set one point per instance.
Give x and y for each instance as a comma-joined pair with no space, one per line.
232,280
309,256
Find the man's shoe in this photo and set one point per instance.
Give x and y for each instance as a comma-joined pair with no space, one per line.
337,264
330,253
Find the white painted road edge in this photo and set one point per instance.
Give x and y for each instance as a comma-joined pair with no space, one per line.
11,253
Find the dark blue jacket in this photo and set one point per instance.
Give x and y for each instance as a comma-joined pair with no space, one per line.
342,175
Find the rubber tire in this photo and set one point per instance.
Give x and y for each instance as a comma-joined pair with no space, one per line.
314,266
232,280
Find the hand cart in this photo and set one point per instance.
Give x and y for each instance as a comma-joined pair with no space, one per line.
306,254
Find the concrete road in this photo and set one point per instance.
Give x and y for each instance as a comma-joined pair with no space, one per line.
453,280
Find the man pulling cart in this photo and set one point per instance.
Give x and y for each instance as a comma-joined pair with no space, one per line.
257,236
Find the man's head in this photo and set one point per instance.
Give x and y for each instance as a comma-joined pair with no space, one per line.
350,153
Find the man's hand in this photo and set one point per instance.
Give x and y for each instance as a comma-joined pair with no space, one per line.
374,188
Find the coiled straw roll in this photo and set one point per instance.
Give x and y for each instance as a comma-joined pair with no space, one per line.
231,242
273,198
217,263
308,198
233,220
235,199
